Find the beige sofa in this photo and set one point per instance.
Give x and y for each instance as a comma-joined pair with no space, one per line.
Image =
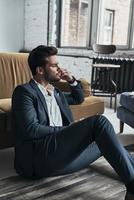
14,70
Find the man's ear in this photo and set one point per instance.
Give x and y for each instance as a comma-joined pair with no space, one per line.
39,70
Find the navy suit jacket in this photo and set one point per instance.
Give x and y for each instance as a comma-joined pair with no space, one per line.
30,121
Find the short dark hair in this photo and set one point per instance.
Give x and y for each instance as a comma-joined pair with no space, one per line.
38,56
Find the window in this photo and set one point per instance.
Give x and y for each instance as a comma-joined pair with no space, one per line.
114,18
84,22
75,23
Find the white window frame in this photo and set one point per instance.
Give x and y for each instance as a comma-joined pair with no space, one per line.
110,28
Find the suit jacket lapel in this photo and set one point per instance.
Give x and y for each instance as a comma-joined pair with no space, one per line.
39,93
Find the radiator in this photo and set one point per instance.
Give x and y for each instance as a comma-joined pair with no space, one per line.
123,76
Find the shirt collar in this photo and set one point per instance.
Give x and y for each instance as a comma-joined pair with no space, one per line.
50,87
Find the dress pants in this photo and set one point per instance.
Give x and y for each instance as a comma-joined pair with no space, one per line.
81,143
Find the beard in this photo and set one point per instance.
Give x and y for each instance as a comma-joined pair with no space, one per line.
51,78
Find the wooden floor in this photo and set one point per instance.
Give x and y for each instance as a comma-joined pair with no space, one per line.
98,182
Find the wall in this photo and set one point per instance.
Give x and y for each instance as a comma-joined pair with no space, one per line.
11,25
36,26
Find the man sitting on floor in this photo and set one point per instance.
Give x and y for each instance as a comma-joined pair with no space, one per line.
47,141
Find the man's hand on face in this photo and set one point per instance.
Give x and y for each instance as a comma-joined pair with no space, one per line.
65,75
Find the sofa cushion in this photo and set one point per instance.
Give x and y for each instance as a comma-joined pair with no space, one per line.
91,106
5,105
127,100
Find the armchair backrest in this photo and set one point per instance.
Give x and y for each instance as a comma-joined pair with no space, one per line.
14,70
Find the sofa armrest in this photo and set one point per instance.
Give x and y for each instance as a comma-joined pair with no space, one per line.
89,107
5,105
86,87
5,115
64,86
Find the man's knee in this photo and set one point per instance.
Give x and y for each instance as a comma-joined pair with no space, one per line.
98,122
101,122
102,118
103,125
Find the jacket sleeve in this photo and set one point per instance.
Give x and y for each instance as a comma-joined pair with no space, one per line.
76,95
24,116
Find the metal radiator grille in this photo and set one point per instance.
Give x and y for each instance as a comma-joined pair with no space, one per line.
123,76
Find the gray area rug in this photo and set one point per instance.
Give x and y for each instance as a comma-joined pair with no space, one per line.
98,182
